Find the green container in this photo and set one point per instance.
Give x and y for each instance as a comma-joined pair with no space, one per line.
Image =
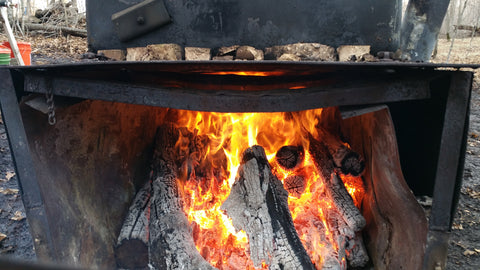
4,58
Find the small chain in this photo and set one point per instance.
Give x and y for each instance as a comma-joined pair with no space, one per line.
51,106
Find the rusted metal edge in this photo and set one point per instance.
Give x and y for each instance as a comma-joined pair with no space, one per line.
280,100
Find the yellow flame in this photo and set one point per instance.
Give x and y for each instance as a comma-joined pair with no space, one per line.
229,134
248,73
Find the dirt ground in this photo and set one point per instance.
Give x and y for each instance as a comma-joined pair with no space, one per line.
464,247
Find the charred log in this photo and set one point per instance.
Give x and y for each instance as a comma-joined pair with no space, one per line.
165,231
295,185
171,241
335,187
133,237
289,156
258,205
344,158
357,255
344,203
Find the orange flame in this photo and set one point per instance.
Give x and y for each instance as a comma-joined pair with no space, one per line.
248,73
229,134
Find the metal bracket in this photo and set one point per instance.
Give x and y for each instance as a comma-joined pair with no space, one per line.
140,19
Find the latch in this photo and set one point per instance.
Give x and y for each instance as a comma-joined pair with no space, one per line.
140,19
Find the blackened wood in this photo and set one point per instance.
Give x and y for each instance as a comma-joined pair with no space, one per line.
289,156
335,188
171,244
340,233
344,158
258,204
344,203
357,255
295,185
133,237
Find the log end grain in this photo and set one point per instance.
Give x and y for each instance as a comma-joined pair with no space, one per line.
288,157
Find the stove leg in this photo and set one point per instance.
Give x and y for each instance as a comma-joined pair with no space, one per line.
449,170
27,179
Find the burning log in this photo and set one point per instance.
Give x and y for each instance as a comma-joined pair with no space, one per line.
335,187
167,233
288,157
344,203
344,158
357,255
258,205
295,185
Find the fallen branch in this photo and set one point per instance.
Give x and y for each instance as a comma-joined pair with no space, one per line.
54,28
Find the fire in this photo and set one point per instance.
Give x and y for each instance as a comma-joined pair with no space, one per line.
229,134
248,73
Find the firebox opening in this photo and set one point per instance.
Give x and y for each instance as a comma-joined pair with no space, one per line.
102,152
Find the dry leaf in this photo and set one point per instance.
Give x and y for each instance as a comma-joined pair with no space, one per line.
2,236
9,191
18,216
469,252
477,250
9,175
457,226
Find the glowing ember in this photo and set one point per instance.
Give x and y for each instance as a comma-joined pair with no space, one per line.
228,136
248,73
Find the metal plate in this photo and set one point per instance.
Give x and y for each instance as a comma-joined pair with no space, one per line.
216,23
140,19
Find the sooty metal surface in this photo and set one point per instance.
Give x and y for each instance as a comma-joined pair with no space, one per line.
233,87
213,23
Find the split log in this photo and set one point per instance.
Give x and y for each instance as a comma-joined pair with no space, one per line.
306,51
55,28
335,188
248,53
357,255
197,54
155,52
118,55
346,51
258,204
156,223
344,158
171,241
314,228
133,237
344,203
289,156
